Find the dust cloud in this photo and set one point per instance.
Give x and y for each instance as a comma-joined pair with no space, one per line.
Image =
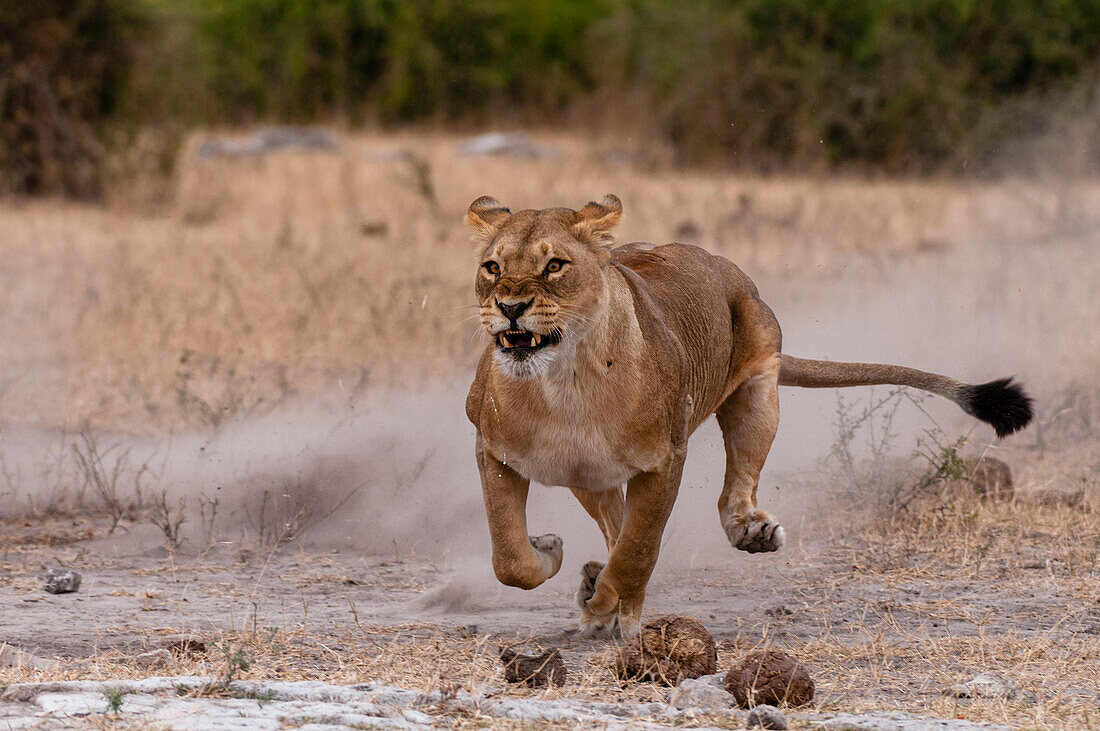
395,473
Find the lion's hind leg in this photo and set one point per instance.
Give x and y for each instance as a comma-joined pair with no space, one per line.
749,419
608,509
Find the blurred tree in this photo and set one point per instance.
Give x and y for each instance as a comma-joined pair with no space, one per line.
811,84
64,67
902,86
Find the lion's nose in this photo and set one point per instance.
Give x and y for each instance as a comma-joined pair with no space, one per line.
513,310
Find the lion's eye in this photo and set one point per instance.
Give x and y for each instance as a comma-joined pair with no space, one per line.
555,265
492,267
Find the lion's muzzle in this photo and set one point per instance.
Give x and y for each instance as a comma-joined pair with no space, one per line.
521,343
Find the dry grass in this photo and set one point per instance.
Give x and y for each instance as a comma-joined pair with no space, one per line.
264,279
902,611
1019,582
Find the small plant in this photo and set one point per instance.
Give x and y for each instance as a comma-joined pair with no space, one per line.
168,519
944,462
297,504
208,513
105,479
237,661
860,459
210,388
863,460
264,696
114,700
272,640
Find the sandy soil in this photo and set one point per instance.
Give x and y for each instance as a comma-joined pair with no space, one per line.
287,341
876,631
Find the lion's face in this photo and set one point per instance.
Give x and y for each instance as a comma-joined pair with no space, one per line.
540,282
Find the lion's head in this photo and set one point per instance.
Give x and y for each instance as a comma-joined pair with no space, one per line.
540,281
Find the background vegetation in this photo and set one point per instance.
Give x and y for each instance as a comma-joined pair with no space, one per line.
810,84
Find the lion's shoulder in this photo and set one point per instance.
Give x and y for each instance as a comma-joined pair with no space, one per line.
684,267
641,256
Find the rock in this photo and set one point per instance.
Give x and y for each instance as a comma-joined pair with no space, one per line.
700,696
153,659
991,478
985,685
765,716
537,671
11,657
779,610
270,139
718,680
769,676
667,650
513,144
897,721
62,581
418,717
167,702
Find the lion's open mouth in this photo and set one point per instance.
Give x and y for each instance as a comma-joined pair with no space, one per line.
525,341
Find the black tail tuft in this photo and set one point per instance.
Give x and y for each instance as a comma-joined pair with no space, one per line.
1002,404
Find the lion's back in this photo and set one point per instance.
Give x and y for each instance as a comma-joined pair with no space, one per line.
710,306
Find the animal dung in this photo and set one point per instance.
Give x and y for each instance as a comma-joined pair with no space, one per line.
536,671
771,677
668,650
991,478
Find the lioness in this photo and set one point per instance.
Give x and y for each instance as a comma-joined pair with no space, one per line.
603,361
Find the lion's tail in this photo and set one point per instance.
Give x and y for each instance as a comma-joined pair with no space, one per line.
1002,404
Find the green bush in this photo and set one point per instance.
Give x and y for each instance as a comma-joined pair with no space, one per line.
900,85
812,84
64,69
394,59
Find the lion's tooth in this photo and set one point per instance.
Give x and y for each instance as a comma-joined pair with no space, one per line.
535,338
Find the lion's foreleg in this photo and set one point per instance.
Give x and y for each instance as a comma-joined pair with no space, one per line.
518,559
621,585
749,419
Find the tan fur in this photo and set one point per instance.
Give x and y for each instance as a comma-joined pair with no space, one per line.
653,341
647,353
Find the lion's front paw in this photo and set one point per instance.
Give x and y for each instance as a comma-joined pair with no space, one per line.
757,533
589,573
550,546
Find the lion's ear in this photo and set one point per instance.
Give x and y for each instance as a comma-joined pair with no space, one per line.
595,221
487,216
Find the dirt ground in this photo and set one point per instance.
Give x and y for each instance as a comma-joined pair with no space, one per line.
883,626
276,350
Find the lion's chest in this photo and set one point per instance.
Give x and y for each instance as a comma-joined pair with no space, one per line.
576,445
572,456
